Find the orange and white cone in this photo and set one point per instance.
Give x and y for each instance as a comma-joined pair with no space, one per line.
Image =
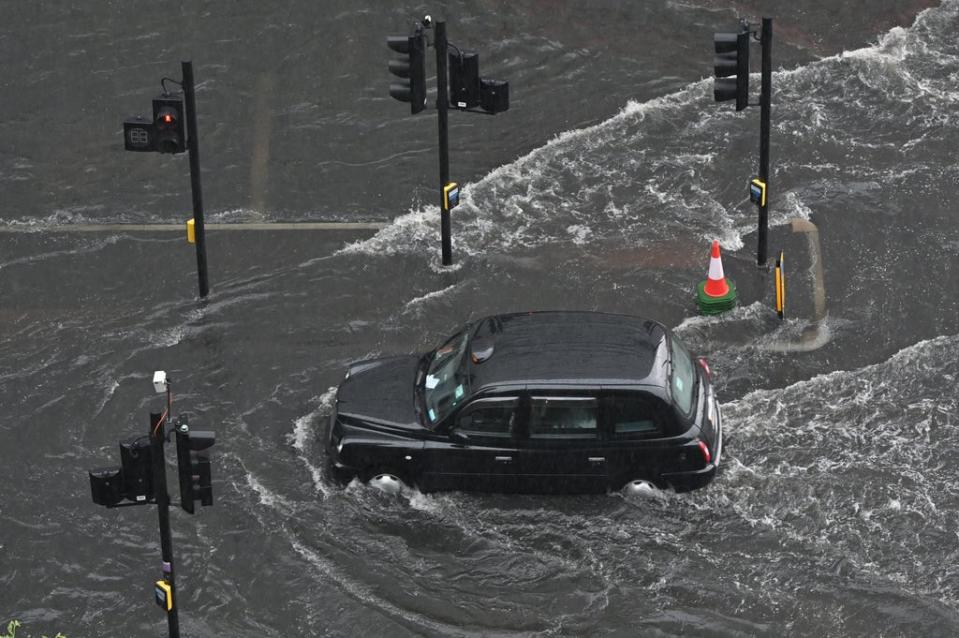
716,285
716,294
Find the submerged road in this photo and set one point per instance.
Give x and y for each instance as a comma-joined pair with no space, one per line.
601,189
179,228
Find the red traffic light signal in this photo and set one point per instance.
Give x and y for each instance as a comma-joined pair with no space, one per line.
168,123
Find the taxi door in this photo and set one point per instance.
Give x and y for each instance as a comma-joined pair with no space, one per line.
478,450
561,448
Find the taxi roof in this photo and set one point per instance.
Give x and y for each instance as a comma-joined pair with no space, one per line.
569,348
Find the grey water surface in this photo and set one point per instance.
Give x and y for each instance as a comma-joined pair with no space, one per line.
601,188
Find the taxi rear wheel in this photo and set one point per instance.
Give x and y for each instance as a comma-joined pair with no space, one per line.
639,487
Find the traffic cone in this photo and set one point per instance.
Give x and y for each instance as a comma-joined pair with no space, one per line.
716,294
716,285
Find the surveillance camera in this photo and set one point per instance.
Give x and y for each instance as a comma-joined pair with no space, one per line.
159,381
427,21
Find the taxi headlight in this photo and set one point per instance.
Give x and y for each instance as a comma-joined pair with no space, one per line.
336,440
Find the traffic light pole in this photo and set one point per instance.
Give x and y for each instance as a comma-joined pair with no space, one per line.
765,105
442,107
194,149
157,430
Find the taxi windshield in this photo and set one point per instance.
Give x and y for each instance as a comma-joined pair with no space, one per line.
445,385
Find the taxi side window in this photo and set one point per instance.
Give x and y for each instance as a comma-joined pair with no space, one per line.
635,417
491,418
563,418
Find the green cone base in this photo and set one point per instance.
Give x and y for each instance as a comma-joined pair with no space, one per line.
715,305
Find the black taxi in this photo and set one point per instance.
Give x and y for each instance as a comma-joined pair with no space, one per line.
532,402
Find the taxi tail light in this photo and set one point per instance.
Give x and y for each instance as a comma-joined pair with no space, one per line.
705,450
705,366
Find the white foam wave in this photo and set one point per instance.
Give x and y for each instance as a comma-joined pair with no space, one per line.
60,217
167,337
857,464
236,216
268,497
83,247
436,294
753,312
507,208
107,395
579,233
911,71
924,356
368,596
303,437
415,304
792,207
574,188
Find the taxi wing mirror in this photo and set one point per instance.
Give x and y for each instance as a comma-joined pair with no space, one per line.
481,349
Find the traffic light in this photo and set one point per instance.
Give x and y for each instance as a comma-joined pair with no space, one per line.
468,90
732,66
464,80
133,481
139,134
494,95
136,457
166,133
106,486
411,68
168,123
193,465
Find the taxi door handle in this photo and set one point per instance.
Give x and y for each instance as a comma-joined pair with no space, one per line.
597,459
503,459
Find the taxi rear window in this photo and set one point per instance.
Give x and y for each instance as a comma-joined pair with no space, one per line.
637,416
683,380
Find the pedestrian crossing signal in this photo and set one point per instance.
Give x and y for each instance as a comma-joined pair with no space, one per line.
757,192
163,594
451,196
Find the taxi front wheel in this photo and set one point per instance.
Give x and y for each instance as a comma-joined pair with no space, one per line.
386,480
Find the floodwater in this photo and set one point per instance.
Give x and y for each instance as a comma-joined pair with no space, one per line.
837,509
